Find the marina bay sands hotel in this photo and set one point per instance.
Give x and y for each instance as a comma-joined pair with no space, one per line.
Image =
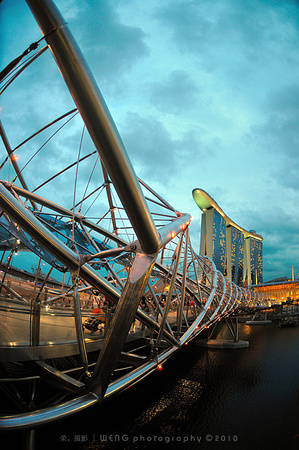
237,253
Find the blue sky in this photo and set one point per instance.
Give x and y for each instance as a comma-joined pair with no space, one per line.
205,94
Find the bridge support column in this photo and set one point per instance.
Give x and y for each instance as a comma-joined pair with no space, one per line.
225,343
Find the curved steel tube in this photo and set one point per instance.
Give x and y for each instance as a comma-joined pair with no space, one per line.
215,297
97,119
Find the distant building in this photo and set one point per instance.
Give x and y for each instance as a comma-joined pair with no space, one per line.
280,290
237,253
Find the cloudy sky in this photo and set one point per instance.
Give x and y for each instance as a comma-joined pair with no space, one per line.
204,93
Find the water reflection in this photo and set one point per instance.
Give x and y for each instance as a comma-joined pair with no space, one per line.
245,398
178,400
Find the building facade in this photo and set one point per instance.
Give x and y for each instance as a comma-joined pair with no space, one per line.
279,291
237,253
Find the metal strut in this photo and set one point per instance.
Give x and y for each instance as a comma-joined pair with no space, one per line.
97,119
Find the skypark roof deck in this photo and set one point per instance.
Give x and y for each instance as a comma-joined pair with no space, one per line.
204,201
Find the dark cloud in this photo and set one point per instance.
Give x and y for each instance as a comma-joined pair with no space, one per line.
110,46
149,144
153,150
242,32
176,94
284,99
190,25
286,174
278,131
279,228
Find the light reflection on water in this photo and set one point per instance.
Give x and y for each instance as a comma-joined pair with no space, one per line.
246,397
178,400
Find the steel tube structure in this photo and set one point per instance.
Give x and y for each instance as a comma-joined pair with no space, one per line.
118,330
78,324
37,418
133,272
66,212
166,232
183,293
41,234
97,119
170,291
13,161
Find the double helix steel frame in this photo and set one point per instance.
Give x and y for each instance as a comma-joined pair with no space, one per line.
159,263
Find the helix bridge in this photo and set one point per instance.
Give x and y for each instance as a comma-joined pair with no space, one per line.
99,282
